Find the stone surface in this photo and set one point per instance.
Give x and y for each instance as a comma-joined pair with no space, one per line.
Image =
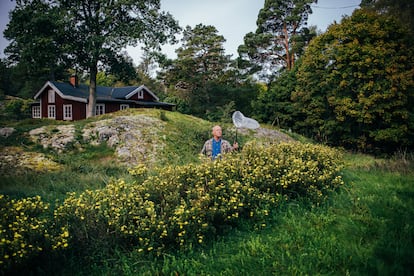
15,160
6,131
56,137
134,138
269,135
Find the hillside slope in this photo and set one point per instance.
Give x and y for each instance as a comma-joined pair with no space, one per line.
136,136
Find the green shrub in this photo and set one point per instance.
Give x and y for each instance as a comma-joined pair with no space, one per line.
179,206
26,230
171,207
17,109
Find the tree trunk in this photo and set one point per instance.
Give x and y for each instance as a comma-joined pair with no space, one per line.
286,45
92,91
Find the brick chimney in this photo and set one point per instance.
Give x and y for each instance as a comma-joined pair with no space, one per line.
74,80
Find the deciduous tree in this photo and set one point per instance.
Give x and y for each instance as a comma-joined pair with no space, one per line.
35,52
402,10
98,27
274,105
356,86
88,33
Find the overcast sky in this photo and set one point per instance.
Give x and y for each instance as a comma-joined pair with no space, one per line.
232,18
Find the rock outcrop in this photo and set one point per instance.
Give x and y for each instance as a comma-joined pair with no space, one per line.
6,131
134,138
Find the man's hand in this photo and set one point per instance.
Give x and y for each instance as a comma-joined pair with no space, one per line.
235,145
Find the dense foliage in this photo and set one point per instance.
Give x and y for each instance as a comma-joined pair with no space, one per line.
355,85
176,207
26,230
274,105
202,80
401,10
35,51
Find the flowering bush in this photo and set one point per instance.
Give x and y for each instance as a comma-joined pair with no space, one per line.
293,169
174,206
119,214
25,230
184,205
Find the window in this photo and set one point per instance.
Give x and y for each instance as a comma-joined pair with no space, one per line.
36,111
51,112
141,94
124,106
51,96
67,112
100,109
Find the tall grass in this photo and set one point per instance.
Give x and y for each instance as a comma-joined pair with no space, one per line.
90,169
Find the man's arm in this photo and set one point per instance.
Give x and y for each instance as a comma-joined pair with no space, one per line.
207,147
227,147
203,150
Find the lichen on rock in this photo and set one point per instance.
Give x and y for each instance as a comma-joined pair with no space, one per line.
135,138
15,160
58,138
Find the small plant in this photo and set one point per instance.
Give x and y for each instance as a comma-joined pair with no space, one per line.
163,116
17,109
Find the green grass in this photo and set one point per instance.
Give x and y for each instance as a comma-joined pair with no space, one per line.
90,169
366,228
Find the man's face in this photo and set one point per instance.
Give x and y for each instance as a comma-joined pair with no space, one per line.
217,131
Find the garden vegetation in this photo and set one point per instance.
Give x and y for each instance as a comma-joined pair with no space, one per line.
172,207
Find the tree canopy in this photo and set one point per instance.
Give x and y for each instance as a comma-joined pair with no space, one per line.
200,62
88,33
36,32
280,36
355,84
401,10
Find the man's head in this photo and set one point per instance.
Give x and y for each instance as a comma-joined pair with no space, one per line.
217,132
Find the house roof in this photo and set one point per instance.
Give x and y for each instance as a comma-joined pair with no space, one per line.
129,91
81,92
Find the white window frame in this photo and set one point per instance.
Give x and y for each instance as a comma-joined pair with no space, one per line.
67,112
123,106
141,94
99,109
51,96
51,111
36,111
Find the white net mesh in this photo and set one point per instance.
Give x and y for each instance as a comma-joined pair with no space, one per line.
240,121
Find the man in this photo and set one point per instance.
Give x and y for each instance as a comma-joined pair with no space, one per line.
216,145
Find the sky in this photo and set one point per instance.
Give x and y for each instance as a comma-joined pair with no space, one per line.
232,18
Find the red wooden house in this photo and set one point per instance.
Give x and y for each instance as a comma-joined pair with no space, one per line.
69,101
